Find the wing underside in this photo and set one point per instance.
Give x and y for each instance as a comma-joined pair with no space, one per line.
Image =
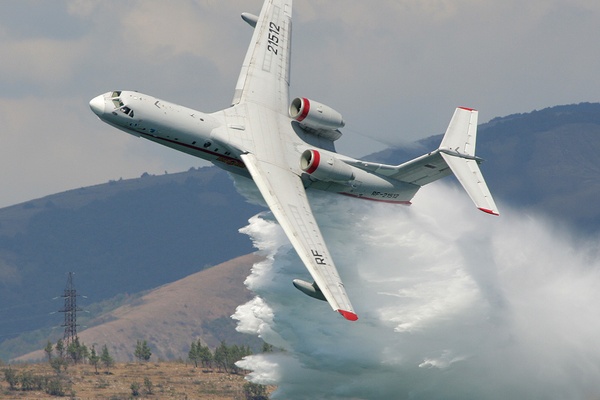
285,195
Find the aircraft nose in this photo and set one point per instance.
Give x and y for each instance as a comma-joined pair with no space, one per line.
97,105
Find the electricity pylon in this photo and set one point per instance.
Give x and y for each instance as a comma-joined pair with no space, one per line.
70,309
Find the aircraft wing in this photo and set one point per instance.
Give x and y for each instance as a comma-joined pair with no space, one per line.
285,195
265,75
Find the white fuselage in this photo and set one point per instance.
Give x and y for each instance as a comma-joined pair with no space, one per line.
223,136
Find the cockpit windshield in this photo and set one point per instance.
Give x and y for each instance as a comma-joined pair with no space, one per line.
118,103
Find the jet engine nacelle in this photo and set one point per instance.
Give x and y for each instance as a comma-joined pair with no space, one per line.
315,115
325,167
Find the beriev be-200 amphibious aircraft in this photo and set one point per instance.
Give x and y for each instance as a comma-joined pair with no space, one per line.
288,147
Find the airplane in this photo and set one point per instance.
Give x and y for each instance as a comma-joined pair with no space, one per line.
288,147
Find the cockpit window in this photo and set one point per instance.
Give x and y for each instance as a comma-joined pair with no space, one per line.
116,99
127,111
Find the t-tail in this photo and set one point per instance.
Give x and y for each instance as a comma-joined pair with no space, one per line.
458,151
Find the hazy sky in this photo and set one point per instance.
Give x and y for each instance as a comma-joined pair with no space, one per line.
395,70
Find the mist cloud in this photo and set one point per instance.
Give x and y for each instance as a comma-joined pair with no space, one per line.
453,304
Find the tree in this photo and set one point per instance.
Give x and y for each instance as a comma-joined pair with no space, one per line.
222,356
193,354
48,349
204,355
27,381
57,363
148,385
135,389
267,348
84,352
254,391
10,376
236,353
60,348
226,357
94,359
199,353
142,351
55,387
106,358
77,351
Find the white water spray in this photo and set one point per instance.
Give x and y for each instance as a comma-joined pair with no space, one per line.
453,304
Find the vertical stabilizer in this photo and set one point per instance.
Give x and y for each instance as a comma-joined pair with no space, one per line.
458,150
461,134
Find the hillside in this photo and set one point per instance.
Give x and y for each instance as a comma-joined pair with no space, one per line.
172,316
120,237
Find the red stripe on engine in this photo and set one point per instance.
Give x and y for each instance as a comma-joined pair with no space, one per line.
314,162
305,107
468,109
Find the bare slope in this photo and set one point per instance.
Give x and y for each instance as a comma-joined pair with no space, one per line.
171,316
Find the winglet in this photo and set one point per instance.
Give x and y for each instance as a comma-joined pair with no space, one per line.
350,316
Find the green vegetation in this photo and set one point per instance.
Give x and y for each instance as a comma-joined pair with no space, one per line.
75,364
106,358
142,351
27,381
136,388
224,359
254,391
200,354
148,386
156,380
94,359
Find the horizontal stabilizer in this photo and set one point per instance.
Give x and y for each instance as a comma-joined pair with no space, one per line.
468,174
